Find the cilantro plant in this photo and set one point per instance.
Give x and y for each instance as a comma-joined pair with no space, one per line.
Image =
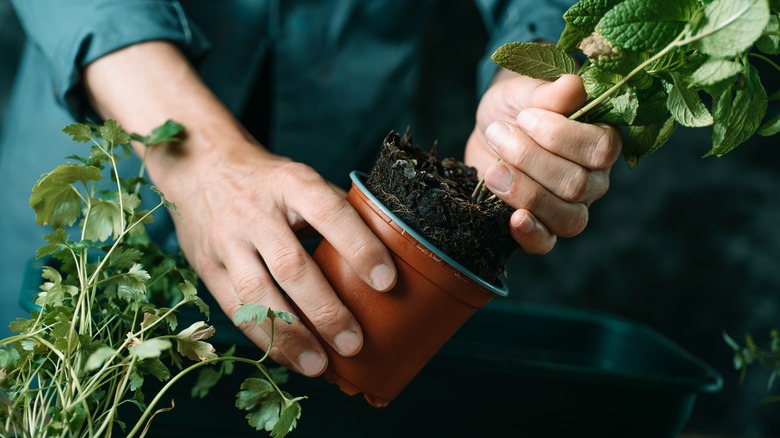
106,321
651,65
751,355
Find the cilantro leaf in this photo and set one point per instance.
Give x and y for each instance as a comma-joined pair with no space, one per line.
53,292
78,132
57,242
167,132
168,204
250,312
191,296
105,220
190,342
150,348
55,201
113,133
287,420
98,357
262,401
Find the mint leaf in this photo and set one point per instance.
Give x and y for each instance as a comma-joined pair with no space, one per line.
581,20
540,61
715,72
55,201
686,106
652,106
626,105
597,81
641,141
738,115
729,27
646,25
78,132
770,42
770,127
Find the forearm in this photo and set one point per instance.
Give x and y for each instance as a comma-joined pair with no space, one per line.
143,85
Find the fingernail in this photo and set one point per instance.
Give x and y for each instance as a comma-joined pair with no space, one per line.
526,224
496,134
381,277
499,178
311,363
348,343
527,121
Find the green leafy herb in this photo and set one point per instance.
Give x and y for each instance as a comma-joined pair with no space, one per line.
99,330
652,65
751,355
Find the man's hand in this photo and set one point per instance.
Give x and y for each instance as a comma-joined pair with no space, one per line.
241,205
538,161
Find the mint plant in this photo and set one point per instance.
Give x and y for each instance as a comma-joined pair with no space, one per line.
107,322
651,65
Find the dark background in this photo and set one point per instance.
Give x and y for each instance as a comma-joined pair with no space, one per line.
686,245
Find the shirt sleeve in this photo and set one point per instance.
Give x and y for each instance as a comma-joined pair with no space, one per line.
71,34
517,20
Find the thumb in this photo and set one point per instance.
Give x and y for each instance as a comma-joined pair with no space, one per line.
563,96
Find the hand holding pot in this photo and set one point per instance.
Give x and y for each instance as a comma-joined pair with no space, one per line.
551,168
241,205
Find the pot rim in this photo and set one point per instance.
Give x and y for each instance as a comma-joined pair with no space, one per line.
499,289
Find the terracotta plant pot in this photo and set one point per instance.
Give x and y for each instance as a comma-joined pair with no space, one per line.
404,327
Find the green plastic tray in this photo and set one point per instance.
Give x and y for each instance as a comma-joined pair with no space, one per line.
512,370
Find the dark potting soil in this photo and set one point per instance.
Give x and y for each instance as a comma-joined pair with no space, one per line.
434,198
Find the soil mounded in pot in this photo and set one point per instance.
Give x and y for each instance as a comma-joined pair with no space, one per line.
434,198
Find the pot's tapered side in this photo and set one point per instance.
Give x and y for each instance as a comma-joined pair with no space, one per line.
404,327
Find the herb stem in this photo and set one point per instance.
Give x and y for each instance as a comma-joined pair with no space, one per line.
605,95
765,59
179,376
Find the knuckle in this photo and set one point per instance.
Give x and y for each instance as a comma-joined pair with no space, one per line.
288,266
577,222
248,287
607,148
328,209
327,314
523,156
359,249
575,185
530,199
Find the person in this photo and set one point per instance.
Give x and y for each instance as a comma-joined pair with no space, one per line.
326,80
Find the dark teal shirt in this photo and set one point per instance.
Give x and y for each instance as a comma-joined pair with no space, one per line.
340,75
